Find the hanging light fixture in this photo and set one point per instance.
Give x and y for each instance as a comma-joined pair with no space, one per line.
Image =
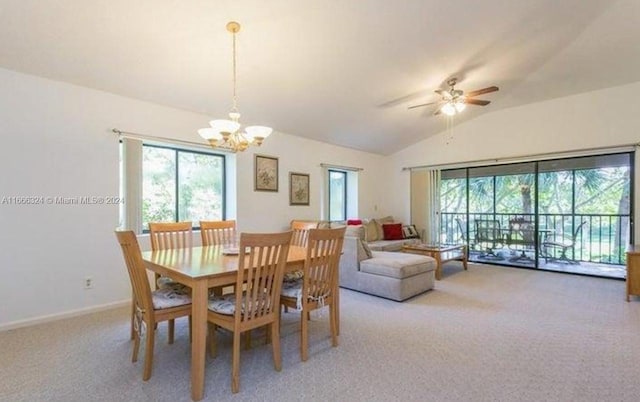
225,133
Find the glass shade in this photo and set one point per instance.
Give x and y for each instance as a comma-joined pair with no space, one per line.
460,105
449,109
209,134
224,126
258,131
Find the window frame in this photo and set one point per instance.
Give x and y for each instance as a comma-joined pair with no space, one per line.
177,151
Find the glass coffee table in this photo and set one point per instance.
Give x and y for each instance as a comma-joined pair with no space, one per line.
440,252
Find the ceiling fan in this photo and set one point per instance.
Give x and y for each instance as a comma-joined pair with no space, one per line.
455,100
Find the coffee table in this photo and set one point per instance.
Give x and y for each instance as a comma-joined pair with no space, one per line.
440,252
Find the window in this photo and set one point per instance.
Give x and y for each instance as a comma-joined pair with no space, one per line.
180,185
337,195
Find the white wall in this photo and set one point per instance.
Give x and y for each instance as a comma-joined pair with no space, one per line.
56,141
602,118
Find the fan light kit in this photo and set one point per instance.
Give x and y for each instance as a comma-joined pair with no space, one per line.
455,101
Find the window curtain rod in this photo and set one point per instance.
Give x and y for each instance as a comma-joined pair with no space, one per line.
138,136
529,158
351,169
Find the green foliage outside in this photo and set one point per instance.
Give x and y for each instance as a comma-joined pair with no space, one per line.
200,186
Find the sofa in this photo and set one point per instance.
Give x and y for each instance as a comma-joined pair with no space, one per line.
374,232
392,275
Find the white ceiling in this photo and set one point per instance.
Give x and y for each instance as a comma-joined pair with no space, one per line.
338,71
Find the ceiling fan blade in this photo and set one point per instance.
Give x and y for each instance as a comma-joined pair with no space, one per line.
424,104
476,102
438,111
482,91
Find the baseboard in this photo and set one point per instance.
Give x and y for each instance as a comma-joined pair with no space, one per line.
60,316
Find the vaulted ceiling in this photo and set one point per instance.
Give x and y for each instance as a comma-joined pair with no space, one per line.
342,72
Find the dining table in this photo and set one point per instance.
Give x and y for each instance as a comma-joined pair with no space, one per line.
202,268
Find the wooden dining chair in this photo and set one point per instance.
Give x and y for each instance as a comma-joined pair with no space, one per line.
150,307
319,285
300,231
167,235
264,256
218,232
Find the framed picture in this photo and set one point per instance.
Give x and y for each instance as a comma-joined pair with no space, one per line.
265,173
298,188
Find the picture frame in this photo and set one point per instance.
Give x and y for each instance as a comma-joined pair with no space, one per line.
299,188
265,176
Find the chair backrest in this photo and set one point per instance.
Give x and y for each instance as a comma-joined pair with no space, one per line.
301,232
487,230
577,232
217,232
521,231
322,262
137,271
264,255
167,235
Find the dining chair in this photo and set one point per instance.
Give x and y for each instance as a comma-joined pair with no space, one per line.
319,285
299,238
167,235
261,262
151,307
218,232
300,231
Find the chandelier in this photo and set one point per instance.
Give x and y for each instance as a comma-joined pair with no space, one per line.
226,133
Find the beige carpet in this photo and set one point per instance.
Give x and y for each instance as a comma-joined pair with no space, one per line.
488,334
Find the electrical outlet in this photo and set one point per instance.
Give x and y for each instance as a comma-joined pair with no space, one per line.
88,282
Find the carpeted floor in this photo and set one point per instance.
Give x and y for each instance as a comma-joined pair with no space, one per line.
488,334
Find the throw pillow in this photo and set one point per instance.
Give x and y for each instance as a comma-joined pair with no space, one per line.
371,231
366,248
354,222
380,222
355,231
392,231
362,251
410,232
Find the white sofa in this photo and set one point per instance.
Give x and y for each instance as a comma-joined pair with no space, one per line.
392,275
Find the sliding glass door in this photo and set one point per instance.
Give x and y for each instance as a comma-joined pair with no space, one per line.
565,214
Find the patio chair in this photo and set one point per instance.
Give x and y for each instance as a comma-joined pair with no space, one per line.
521,237
563,244
489,235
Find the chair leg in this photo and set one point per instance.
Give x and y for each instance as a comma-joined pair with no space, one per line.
275,344
304,340
247,340
148,354
133,317
333,317
286,309
172,326
235,365
190,327
212,341
136,347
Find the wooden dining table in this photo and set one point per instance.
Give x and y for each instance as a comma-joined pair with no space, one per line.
202,268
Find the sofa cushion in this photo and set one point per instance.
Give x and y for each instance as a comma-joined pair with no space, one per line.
397,265
371,231
391,245
392,231
354,222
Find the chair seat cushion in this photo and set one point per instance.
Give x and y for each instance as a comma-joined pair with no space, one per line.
293,290
168,297
293,276
225,304
167,283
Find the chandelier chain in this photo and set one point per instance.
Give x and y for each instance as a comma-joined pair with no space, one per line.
235,103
